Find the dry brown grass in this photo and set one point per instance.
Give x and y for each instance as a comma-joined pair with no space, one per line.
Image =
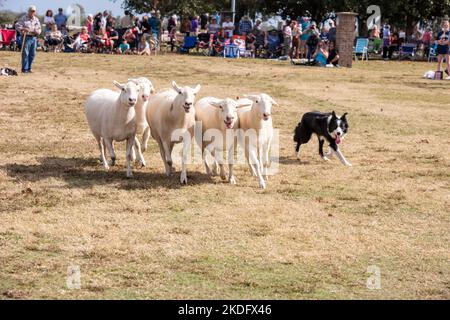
311,234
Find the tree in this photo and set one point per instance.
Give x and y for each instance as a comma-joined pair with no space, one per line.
182,7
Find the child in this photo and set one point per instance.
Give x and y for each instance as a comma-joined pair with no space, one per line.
144,47
124,48
443,43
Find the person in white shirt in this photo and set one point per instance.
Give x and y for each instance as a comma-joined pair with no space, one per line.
228,27
49,20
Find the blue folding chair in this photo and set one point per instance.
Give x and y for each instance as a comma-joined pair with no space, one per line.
432,53
361,49
231,51
407,50
189,43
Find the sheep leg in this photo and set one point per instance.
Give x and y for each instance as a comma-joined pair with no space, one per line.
247,156
145,139
184,160
232,178
266,159
167,158
109,145
129,150
215,165
163,156
219,160
101,146
205,161
256,164
137,146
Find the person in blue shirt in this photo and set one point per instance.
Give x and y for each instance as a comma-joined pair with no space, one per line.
60,18
443,45
155,24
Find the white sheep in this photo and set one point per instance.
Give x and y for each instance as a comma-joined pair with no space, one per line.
171,116
218,118
112,117
256,133
142,126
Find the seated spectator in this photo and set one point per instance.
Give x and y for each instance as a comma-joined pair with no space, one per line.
273,44
130,37
102,41
54,38
374,33
113,36
82,41
320,56
144,47
333,54
124,48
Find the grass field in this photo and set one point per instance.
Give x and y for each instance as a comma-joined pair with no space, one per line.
312,234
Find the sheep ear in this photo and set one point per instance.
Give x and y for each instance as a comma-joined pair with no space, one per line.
152,90
176,87
215,104
118,85
243,104
197,89
274,102
252,97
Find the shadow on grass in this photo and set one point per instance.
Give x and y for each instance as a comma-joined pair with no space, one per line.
292,161
86,173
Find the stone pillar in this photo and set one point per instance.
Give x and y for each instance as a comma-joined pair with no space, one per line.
345,37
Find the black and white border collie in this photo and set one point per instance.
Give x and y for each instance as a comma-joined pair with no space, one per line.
8,72
327,126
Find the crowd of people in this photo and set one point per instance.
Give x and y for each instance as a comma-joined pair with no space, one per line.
299,39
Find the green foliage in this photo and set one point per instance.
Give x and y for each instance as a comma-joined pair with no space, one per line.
8,16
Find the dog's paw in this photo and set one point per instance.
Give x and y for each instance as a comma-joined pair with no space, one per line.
325,159
348,164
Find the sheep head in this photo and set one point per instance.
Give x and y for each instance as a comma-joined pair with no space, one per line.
147,87
129,93
186,96
263,104
228,108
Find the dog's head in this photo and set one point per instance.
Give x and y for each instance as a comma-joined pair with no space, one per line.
338,127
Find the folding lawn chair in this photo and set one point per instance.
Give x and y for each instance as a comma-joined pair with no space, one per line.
361,48
432,53
8,39
231,51
204,44
189,43
241,43
407,50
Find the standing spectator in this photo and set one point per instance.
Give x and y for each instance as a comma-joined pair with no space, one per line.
60,18
90,24
30,28
49,20
104,19
296,33
204,18
155,25
97,22
245,25
185,26
172,23
313,40
213,27
287,39
228,27
386,40
375,32
427,39
324,34
194,26
442,40
125,22
145,27
332,32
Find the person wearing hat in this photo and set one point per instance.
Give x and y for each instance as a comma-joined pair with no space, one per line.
60,18
30,28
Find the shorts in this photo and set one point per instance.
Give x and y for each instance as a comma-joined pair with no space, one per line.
442,49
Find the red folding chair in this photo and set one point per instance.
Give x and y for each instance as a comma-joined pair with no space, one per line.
8,38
